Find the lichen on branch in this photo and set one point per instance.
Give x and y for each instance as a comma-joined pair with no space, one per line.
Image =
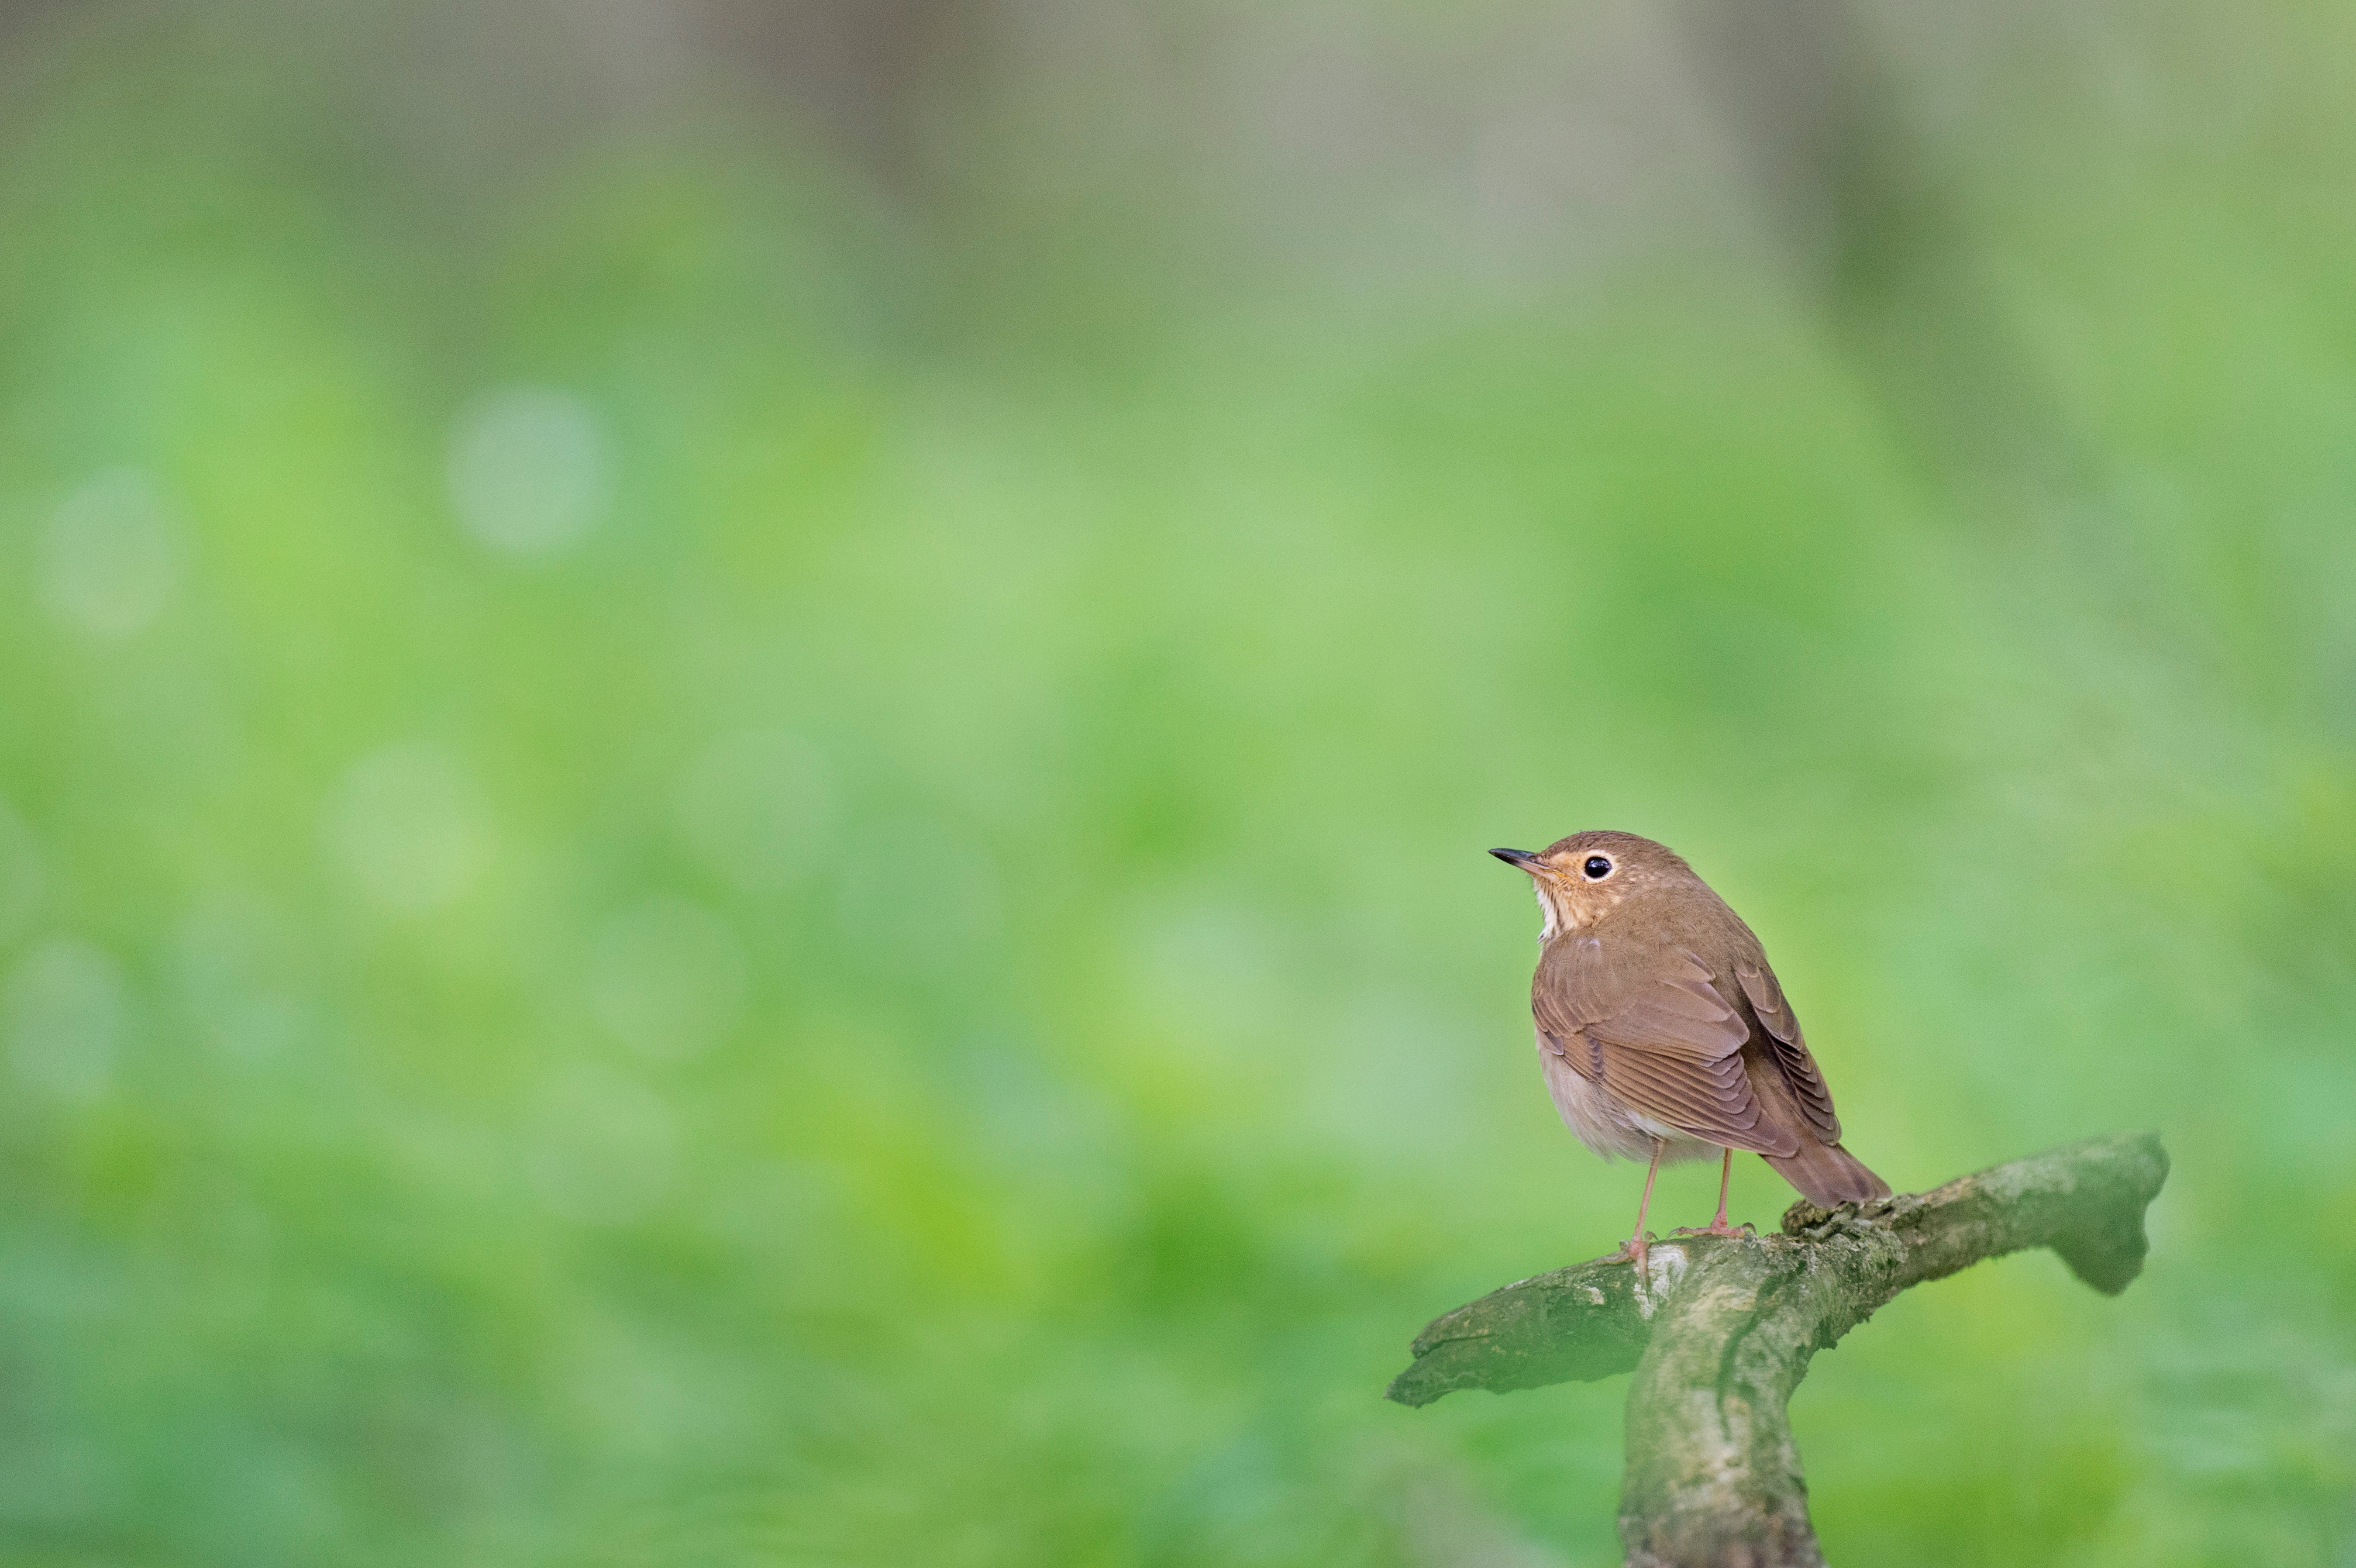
1716,1479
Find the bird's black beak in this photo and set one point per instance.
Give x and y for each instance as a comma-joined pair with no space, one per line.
1521,858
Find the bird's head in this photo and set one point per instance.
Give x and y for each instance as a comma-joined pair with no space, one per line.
1581,879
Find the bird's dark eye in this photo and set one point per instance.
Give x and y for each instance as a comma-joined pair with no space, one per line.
1597,868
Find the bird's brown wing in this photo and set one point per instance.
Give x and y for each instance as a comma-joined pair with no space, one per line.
1788,1046
1653,1029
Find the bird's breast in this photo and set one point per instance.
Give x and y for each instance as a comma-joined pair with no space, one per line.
1604,1122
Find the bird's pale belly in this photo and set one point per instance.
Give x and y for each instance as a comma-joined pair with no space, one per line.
1607,1124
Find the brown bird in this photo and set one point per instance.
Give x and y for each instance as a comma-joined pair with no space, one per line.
1663,1031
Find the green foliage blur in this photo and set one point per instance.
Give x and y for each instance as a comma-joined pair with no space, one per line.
742,807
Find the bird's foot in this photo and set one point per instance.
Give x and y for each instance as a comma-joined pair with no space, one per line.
1718,1227
1632,1251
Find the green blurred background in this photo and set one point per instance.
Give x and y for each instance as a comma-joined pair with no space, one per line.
746,752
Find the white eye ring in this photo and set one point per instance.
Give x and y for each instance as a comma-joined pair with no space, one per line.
1591,873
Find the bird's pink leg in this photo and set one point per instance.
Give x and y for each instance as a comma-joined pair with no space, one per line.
1718,1227
1634,1250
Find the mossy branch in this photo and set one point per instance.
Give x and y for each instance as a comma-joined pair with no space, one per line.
1724,1331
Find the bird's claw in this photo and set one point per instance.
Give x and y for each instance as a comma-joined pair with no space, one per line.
1632,1251
1718,1227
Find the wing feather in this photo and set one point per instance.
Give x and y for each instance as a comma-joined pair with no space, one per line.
1659,1036
1790,1047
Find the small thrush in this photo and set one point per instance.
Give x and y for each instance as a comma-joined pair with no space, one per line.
1662,1030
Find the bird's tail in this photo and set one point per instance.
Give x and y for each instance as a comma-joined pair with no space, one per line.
1827,1174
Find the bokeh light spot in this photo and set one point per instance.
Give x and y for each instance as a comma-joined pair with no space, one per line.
529,471
409,827
20,872
65,1010
110,556
754,807
605,1147
667,978
236,962
920,891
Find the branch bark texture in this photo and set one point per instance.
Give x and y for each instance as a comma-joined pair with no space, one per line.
1725,1329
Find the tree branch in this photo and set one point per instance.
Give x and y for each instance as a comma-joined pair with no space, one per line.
1725,1330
